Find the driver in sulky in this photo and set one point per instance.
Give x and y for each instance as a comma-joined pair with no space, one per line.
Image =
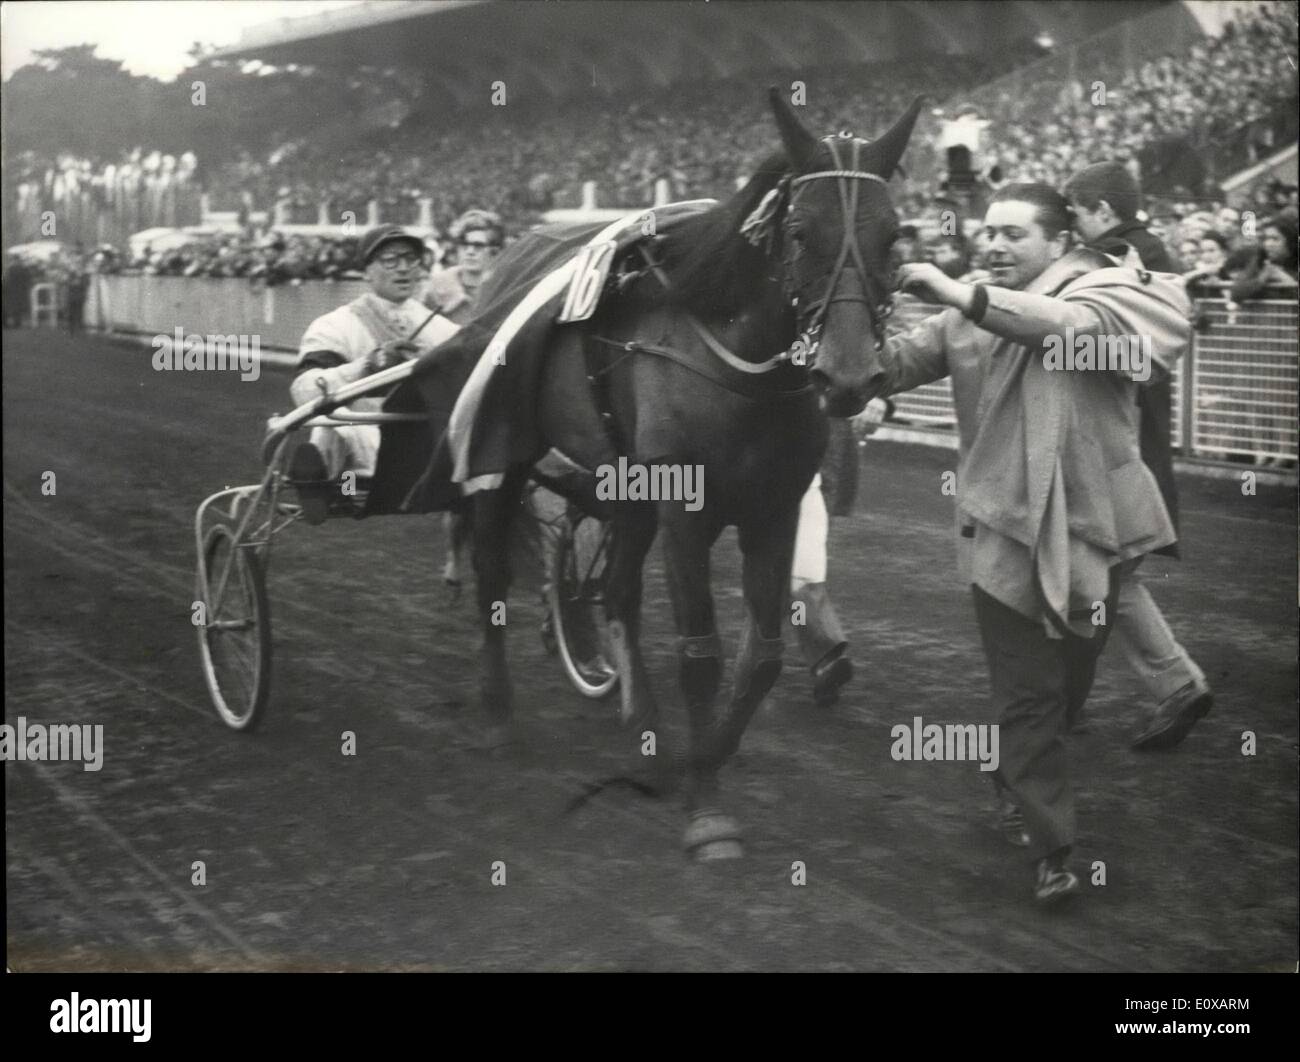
381,328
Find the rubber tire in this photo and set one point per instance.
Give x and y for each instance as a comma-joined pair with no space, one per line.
249,569
559,564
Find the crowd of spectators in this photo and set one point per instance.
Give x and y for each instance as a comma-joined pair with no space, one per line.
272,258
527,158
1047,130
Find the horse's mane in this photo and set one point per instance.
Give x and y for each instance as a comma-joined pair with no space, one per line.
711,267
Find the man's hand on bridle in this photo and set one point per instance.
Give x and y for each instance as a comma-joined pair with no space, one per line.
394,352
931,284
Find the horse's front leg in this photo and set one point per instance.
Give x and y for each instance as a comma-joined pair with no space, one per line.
494,513
688,539
768,550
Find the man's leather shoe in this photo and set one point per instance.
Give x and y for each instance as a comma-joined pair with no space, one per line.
828,678
1174,718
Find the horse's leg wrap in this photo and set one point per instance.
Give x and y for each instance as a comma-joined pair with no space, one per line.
758,665
700,669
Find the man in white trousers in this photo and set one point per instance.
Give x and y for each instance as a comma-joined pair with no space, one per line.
813,616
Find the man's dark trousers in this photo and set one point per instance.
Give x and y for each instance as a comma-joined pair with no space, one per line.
1038,684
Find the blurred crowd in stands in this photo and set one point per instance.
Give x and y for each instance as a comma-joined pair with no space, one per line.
273,258
524,159
1046,131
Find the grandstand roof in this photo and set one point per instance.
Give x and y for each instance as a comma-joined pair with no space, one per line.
559,49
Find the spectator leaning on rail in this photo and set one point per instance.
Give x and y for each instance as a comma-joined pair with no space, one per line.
1106,199
1052,492
372,332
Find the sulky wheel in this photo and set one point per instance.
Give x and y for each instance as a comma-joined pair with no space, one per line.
575,595
235,642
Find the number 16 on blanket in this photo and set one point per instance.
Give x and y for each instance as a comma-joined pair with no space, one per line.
591,268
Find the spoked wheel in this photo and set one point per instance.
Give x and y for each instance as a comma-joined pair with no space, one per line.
235,643
576,596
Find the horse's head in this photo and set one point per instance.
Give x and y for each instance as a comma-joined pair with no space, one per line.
839,226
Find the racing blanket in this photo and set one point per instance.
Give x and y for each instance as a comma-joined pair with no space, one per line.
478,387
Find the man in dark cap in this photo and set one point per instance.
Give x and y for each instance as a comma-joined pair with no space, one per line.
372,332
1106,199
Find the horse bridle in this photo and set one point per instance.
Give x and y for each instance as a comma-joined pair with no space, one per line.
846,178
809,320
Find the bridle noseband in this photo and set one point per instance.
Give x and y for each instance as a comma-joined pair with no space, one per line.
846,178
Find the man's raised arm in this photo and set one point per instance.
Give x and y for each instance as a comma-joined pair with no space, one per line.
915,357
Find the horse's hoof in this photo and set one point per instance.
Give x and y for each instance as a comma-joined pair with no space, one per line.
712,835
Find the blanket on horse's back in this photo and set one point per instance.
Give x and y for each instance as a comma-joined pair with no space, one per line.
421,467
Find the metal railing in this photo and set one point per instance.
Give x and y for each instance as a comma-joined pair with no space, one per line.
1245,380
1243,371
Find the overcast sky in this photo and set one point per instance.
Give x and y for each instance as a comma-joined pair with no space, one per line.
149,37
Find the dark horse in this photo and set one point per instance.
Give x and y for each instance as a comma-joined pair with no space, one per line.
690,363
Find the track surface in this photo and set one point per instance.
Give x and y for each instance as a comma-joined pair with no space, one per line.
315,860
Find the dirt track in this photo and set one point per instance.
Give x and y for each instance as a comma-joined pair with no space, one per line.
319,861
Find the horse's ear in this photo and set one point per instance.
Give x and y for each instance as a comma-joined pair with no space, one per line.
882,155
800,145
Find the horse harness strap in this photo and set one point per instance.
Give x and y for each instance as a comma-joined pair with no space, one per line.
708,338
598,373
739,385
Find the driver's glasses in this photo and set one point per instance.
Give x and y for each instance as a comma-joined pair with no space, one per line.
397,260
478,245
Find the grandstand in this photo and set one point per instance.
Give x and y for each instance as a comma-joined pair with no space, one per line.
573,48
